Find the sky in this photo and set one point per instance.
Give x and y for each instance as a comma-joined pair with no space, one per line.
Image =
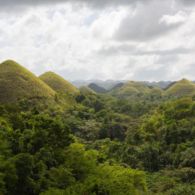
146,40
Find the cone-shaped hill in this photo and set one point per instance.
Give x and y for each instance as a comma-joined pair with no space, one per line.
16,83
181,88
58,84
132,88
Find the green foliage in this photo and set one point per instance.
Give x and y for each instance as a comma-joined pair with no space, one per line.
116,180
80,161
111,180
172,182
129,141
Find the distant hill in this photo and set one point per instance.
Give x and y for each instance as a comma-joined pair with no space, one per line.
86,91
181,88
119,85
160,84
107,84
17,83
58,83
97,88
110,84
130,88
135,90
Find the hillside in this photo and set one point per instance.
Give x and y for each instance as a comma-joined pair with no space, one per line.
58,84
17,83
160,84
97,88
119,85
106,84
142,143
181,88
86,90
131,88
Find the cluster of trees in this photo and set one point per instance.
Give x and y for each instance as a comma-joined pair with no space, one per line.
39,154
160,140
101,145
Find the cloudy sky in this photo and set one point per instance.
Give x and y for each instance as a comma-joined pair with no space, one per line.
101,39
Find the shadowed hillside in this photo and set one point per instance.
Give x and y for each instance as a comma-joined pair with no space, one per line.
97,88
17,83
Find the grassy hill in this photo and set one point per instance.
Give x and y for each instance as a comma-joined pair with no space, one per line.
181,88
58,84
131,88
17,83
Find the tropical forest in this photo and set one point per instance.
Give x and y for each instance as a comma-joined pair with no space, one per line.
59,139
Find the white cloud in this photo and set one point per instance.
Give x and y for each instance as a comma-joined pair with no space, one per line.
79,42
107,23
179,17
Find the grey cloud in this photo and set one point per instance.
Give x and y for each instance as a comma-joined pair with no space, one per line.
145,24
190,70
114,50
168,52
132,50
79,74
169,59
151,74
141,31
187,2
97,3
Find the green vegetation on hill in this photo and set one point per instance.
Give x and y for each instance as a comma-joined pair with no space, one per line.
181,88
133,89
86,91
17,83
58,84
136,141
136,98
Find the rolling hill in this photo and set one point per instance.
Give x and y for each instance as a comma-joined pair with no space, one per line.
130,88
181,88
136,91
58,84
119,85
106,84
16,83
